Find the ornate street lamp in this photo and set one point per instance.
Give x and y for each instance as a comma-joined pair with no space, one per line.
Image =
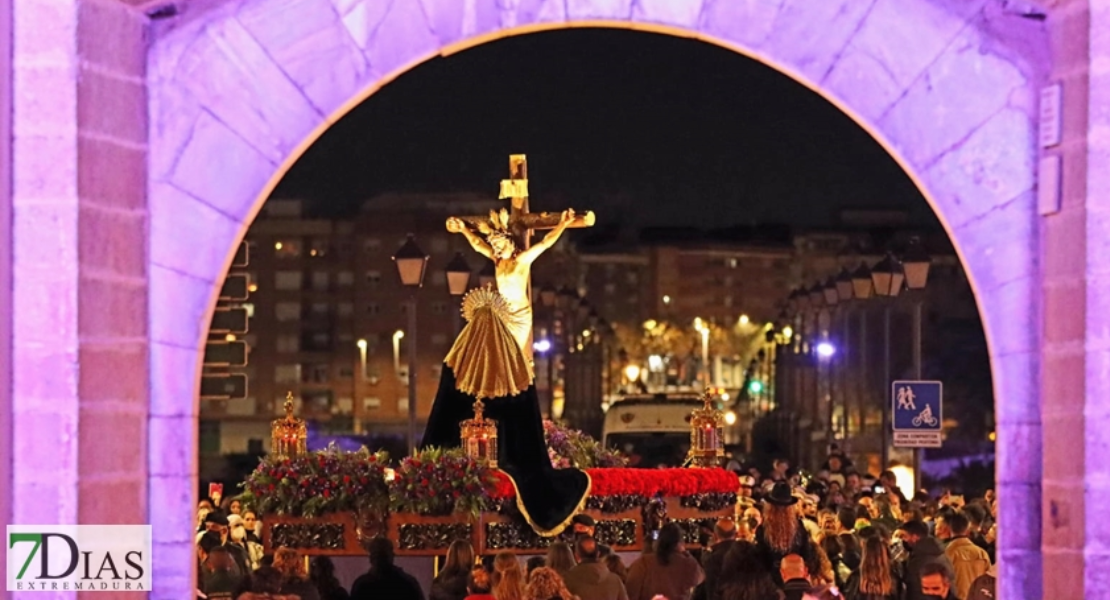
888,277
487,277
411,263
844,285
861,282
458,275
916,264
816,295
830,292
548,296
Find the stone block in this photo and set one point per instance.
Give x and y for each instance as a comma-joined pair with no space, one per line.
746,23
40,501
112,36
1063,447
46,237
111,174
808,37
178,222
1063,380
172,569
45,30
600,10
454,21
112,443
401,39
113,241
174,380
44,436
112,106
173,506
221,169
1098,252
996,245
1098,321
1016,387
1097,446
1096,569
1018,452
1020,575
114,373
1064,243
175,453
1097,526
180,307
233,78
859,81
989,169
1011,320
42,372
113,502
685,15
535,12
38,323
44,169
45,99
957,93
301,36
110,308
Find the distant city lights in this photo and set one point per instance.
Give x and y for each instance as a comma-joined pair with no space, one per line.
744,320
730,418
541,346
825,350
755,386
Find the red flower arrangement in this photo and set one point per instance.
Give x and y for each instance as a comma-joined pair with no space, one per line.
663,482
317,483
442,482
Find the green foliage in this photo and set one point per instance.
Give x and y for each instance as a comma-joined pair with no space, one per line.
318,483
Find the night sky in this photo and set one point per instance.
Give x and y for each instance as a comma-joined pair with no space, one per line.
683,131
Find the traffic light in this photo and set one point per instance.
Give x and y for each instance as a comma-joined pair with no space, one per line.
755,386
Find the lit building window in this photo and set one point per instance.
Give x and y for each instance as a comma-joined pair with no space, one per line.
345,278
287,344
402,404
288,280
373,278
371,403
287,374
290,248
287,311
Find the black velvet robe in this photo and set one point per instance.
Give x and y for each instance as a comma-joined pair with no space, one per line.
550,496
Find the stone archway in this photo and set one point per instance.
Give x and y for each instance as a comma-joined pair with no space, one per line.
238,92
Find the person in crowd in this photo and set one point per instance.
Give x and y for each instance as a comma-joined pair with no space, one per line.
253,525
385,580
583,524
450,584
237,534
202,515
782,531
853,485
560,557
745,577
889,481
754,514
295,581
508,579
983,588
745,530
231,505
546,584
534,562
590,579
780,470
266,582
479,585
669,570
878,578
851,552
941,530
221,578
978,517
616,566
923,549
936,581
883,512
969,561
724,538
217,521
322,575
795,577
834,551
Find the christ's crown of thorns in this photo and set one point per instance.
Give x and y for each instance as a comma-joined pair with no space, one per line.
498,225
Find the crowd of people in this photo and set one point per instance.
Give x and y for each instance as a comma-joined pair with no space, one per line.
838,535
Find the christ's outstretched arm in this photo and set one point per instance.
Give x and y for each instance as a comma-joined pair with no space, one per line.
531,254
456,225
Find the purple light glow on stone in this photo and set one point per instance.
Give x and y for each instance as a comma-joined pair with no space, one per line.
269,107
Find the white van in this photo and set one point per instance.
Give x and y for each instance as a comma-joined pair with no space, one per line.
652,430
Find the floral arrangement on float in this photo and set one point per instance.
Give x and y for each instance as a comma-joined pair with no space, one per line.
437,482
571,448
318,483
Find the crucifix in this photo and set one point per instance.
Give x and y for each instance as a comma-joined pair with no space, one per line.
507,242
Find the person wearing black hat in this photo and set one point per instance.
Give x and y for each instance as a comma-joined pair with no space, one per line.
782,532
583,525
217,521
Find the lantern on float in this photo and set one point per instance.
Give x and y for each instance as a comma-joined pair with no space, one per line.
288,436
479,437
706,429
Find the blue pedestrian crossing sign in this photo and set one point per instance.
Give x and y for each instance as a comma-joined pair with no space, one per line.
917,413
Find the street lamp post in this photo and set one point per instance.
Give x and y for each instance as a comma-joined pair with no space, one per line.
916,264
411,263
362,345
887,278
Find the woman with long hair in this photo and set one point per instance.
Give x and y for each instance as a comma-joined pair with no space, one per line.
668,570
782,533
450,583
744,576
545,584
508,578
877,578
560,557
323,577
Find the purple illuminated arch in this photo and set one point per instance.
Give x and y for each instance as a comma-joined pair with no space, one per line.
237,94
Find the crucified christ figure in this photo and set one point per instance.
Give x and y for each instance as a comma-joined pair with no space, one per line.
513,269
